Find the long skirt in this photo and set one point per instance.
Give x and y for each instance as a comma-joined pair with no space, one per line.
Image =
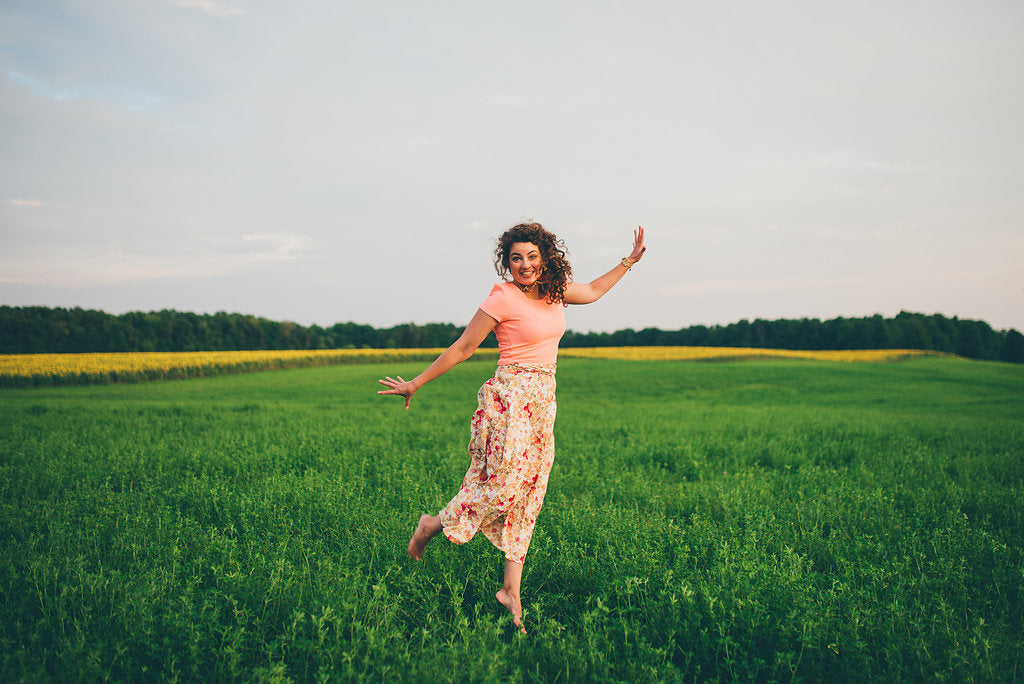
511,447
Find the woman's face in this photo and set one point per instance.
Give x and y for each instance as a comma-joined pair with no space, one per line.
524,262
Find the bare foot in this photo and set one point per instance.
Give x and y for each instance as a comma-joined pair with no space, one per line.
511,602
428,526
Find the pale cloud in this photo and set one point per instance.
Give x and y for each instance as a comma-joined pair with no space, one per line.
761,284
505,100
136,100
213,8
278,246
835,160
25,203
41,88
77,266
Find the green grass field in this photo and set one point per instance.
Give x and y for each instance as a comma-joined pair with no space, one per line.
763,520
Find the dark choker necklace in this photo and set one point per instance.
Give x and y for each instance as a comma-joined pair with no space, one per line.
528,289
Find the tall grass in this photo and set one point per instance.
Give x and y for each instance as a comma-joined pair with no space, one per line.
766,520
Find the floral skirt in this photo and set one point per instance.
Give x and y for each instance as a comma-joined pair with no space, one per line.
512,447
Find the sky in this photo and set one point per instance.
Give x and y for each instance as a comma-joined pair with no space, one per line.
321,161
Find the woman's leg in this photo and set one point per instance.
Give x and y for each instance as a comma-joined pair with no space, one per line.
508,596
427,529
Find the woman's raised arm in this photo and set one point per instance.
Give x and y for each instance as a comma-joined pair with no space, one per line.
578,293
461,349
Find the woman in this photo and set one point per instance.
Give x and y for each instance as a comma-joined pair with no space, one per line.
512,440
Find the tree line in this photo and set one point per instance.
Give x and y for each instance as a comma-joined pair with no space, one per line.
37,329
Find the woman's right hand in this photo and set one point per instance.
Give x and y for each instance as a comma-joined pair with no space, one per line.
398,386
460,350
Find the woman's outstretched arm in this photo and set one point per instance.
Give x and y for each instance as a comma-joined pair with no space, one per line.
578,293
461,349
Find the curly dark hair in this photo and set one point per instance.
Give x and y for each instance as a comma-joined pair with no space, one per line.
557,273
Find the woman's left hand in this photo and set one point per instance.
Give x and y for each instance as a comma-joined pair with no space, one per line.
638,245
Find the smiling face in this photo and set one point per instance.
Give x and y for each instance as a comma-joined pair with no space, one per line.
524,262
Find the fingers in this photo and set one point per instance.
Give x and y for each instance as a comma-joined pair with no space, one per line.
391,384
638,244
395,384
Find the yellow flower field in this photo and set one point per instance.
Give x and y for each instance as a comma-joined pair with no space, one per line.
28,370
738,354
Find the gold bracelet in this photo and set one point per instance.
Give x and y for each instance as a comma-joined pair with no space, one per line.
627,263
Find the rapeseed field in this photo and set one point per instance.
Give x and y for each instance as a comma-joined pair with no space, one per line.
27,370
739,354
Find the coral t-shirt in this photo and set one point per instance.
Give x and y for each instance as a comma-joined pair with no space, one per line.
528,330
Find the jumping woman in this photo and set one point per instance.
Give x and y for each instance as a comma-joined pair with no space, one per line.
511,444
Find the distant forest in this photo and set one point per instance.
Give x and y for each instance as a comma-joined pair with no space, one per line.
36,329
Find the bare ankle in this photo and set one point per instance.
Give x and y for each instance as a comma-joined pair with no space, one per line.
427,528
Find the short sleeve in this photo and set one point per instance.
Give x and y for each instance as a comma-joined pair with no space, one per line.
496,305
